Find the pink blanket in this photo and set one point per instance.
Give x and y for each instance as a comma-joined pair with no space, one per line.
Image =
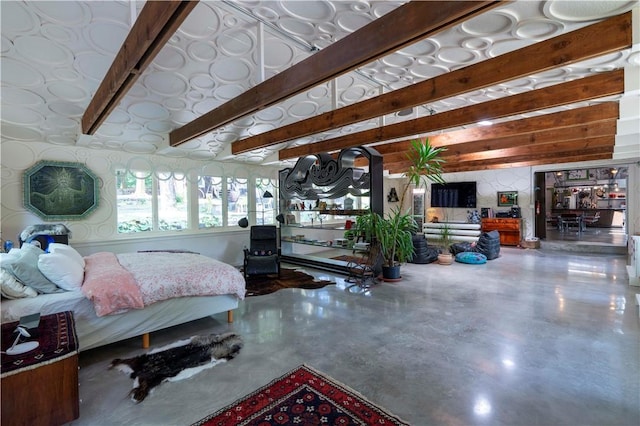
110,287
115,283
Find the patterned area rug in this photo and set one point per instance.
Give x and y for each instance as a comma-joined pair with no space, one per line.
303,396
57,338
289,278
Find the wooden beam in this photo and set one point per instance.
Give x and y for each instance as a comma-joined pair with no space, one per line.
577,158
586,156
604,153
587,115
532,140
612,35
537,150
157,22
584,89
399,28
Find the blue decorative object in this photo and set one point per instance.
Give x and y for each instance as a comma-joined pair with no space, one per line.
471,257
473,216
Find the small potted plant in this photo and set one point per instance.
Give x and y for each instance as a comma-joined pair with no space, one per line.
445,257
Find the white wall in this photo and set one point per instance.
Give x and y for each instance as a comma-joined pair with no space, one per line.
98,231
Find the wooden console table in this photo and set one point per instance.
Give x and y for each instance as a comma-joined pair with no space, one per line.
510,229
40,387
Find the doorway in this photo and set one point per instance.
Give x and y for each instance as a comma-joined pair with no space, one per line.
585,205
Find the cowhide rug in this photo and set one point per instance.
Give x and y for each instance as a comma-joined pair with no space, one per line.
177,361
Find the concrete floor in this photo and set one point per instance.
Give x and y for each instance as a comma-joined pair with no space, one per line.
534,337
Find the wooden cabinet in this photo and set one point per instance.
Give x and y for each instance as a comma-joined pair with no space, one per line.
40,387
510,229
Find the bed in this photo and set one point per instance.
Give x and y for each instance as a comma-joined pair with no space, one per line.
119,296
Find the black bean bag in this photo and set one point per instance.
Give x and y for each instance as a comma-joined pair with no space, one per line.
422,253
461,247
489,244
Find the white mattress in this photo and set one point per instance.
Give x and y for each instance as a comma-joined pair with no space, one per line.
94,331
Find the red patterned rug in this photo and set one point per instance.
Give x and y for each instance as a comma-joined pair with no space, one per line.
303,396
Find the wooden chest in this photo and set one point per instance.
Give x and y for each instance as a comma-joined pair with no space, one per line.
510,229
41,393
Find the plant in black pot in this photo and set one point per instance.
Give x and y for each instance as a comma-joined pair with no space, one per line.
395,237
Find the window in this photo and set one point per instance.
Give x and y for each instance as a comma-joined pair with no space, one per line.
140,194
171,193
134,202
236,200
266,201
170,201
210,201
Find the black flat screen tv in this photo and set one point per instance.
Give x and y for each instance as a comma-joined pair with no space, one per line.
453,194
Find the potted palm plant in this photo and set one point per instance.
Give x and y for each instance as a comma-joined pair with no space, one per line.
424,162
393,233
395,238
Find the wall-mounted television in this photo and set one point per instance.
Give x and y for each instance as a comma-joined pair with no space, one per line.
453,194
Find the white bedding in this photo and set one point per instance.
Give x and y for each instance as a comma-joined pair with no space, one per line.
94,330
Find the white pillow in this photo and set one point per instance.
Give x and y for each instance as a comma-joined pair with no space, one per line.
67,250
23,265
61,270
12,288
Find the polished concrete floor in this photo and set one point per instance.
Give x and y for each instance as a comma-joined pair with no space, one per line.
590,240
534,337
616,236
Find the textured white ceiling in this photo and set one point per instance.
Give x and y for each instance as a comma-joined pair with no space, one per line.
55,53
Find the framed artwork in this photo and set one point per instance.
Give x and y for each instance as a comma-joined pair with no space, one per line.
60,191
507,198
578,174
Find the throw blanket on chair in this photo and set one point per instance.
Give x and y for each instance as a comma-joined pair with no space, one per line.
180,360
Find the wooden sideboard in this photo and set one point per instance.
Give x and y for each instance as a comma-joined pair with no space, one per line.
510,229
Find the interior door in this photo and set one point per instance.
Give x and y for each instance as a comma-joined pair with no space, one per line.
539,211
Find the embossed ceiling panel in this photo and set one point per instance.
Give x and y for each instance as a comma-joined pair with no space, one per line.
56,53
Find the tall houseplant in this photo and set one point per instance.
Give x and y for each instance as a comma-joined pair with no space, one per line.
394,232
395,237
424,162
391,236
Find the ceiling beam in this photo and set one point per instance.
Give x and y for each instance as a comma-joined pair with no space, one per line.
598,39
580,90
537,150
157,22
605,151
399,28
533,139
606,111
602,152
530,163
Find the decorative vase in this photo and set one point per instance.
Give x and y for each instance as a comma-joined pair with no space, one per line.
445,258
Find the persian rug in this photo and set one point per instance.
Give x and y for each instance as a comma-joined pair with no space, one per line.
57,338
303,396
259,285
177,361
